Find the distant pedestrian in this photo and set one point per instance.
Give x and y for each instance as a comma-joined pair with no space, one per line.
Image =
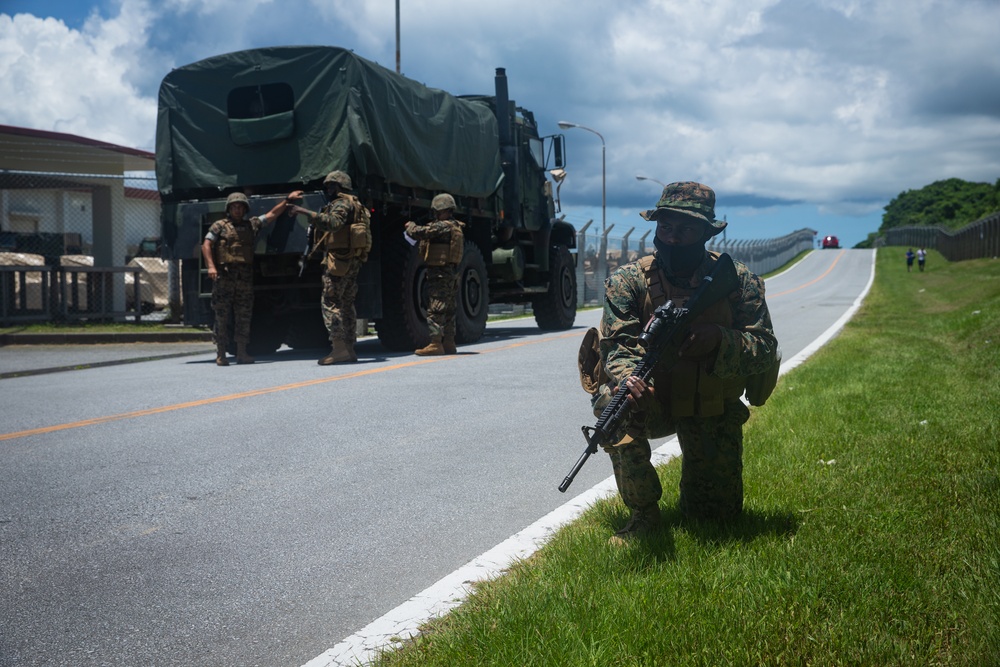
909,260
921,258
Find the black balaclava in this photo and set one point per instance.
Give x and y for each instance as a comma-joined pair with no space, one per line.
679,261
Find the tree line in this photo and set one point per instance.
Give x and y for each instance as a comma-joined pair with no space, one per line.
951,203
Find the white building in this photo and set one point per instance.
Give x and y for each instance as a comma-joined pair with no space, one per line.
60,185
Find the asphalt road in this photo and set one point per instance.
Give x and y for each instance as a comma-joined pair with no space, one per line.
170,512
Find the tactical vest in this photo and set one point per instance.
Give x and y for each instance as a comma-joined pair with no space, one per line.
352,241
444,252
235,244
687,389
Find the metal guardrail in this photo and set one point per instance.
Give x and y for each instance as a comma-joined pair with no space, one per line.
604,254
67,293
23,296
766,255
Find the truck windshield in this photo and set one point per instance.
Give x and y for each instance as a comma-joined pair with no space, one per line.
537,152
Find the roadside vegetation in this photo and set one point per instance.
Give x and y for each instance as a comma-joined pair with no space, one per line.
97,327
871,534
951,203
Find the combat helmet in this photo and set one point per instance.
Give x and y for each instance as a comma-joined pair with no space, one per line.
442,202
235,197
689,198
340,178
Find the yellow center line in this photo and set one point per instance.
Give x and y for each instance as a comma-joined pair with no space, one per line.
811,282
260,392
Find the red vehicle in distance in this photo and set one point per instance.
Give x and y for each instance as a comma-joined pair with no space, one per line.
830,242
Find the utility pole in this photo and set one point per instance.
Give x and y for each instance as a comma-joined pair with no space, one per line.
397,38
565,124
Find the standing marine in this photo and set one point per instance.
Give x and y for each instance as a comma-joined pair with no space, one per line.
441,244
228,253
698,398
344,236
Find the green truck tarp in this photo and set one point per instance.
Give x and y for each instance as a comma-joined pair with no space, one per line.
293,114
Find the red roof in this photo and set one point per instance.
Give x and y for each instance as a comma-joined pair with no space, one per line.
72,138
142,193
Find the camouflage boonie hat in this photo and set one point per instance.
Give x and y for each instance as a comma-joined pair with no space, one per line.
338,177
442,202
689,198
237,197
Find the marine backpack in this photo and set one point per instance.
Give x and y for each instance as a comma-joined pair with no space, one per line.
352,240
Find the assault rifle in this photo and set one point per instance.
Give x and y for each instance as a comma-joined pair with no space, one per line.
307,253
661,338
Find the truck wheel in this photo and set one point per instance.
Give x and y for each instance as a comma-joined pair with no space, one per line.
556,309
403,327
473,296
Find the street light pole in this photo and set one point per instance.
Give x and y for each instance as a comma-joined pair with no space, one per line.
397,37
647,178
604,198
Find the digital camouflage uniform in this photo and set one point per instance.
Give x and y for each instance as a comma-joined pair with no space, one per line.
340,278
232,292
442,280
710,435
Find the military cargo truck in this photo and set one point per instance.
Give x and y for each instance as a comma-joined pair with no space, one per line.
272,120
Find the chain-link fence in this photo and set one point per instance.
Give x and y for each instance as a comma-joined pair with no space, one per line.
977,239
74,246
600,254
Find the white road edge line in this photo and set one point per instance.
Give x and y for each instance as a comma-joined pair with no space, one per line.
404,621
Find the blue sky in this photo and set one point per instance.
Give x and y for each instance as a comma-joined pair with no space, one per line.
799,113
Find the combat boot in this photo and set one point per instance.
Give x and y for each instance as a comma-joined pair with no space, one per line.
642,522
449,345
220,356
434,349
339,353
241,354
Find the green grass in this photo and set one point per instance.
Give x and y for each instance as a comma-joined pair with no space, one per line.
96,327
870,536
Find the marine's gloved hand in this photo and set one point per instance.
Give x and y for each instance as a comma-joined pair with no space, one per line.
633,426
701,342
640,394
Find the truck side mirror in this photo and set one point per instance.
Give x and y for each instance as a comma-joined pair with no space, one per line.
556,151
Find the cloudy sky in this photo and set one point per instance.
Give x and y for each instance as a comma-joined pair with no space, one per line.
800,113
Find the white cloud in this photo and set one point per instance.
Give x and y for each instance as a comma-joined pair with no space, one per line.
63,80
